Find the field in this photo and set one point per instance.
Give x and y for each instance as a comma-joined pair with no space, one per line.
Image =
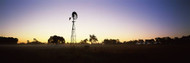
94,53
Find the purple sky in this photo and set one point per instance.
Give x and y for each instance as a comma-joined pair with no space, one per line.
117,19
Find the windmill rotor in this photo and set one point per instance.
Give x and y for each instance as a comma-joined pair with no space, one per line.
74,15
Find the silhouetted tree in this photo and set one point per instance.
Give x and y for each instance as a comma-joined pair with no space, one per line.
8,40
131,42
111,41
28,41
162,41
35,41
93,39
56,40
175,40
149,41
84,41
158,40
140,41
184,40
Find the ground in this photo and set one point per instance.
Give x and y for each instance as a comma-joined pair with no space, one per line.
94,53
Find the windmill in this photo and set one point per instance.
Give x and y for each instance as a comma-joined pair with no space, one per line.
73,34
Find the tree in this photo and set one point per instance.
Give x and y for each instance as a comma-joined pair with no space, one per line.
93,39
140,41
84,41
149,41
56,40
35,41
8,40
111,41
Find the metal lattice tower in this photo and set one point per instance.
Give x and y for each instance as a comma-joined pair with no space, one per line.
73,34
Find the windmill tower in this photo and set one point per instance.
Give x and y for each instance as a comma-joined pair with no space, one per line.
73,34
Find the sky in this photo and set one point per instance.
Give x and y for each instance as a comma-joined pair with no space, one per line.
106,19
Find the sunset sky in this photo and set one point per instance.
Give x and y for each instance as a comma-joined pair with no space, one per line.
107,19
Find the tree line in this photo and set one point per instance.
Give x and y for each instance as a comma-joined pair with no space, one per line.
8,40
163,41
156,41
93,40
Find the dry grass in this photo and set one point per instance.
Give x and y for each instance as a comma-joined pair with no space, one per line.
94,53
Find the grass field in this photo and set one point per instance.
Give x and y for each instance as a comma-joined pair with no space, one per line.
94,53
